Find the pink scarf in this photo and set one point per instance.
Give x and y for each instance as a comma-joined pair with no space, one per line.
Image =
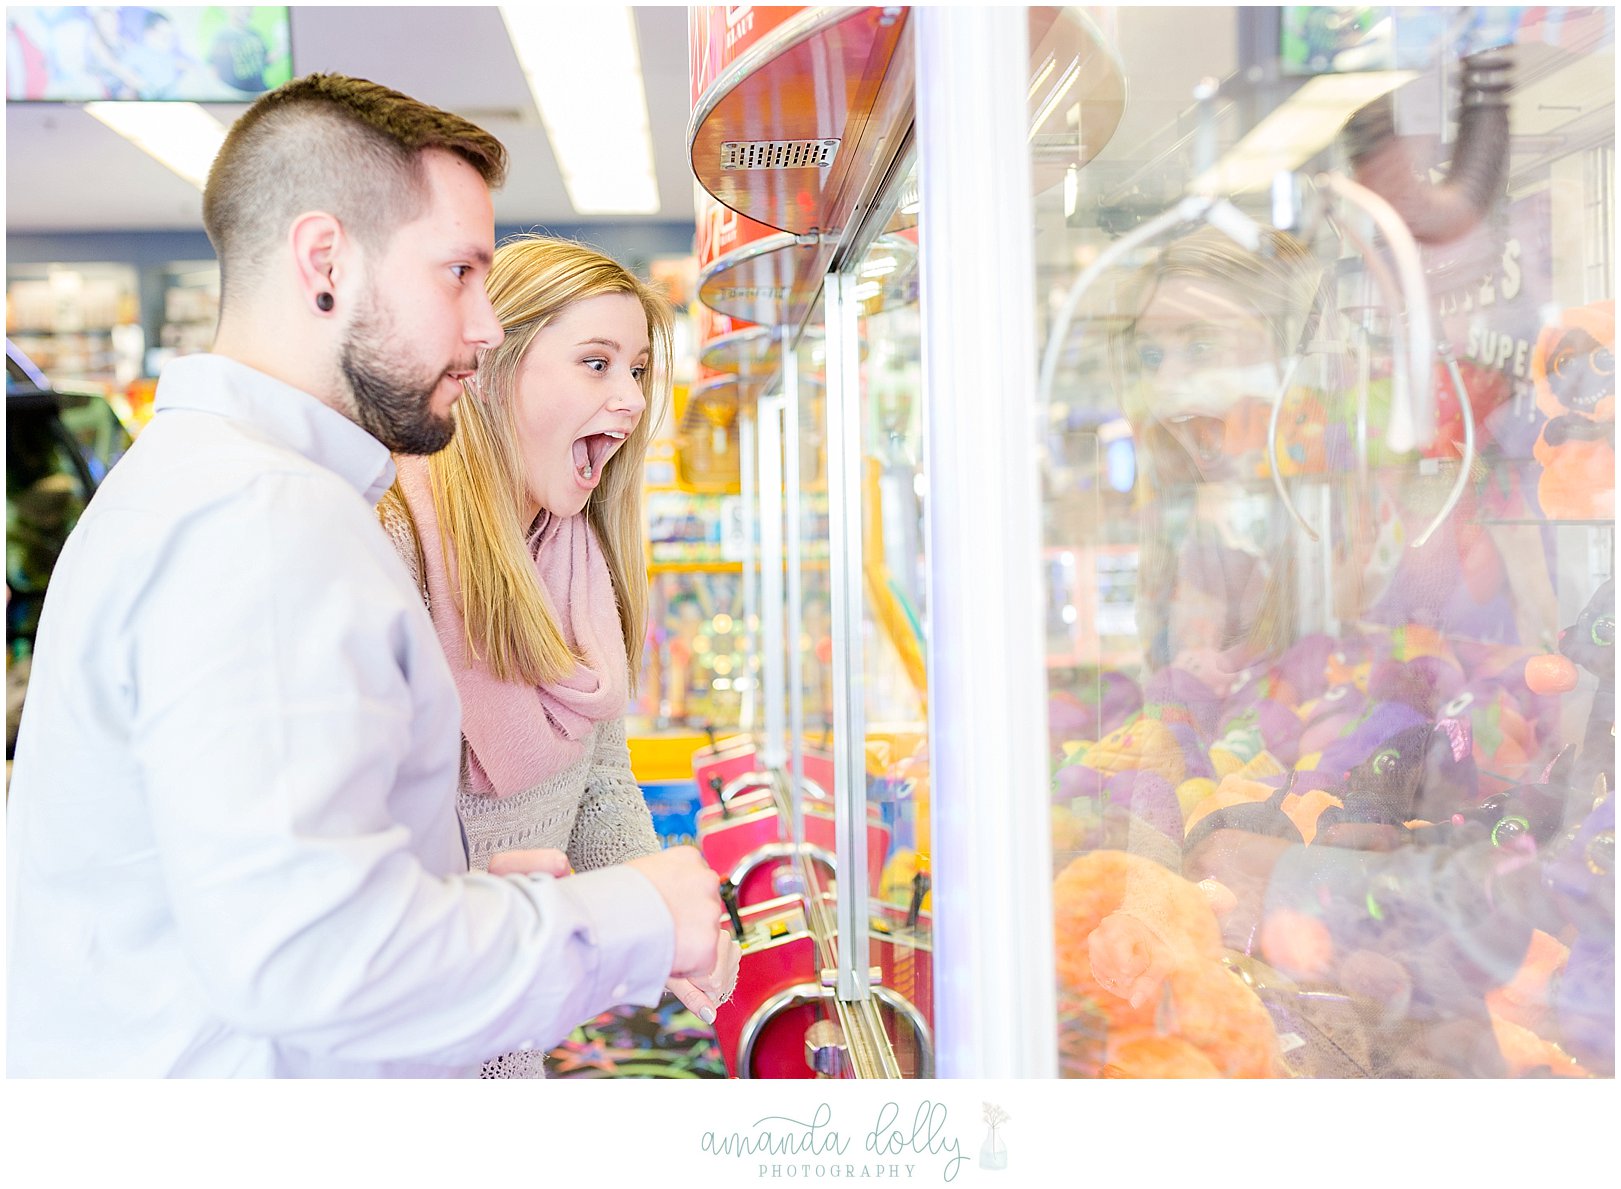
518,734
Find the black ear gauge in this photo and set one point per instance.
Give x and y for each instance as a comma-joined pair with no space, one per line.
324,302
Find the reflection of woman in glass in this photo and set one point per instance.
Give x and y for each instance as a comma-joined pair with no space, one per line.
1204,358
1378,918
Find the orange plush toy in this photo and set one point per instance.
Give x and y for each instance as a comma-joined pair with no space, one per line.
1142,981
1573,368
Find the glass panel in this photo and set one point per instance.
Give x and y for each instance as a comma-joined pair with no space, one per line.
814,642
698,667
1330,702
894,689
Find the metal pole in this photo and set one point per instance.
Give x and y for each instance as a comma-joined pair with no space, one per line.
770,441
997,1015
844,458
748,711
792,482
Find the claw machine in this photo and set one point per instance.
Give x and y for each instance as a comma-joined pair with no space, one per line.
804,138
1339,806
1220,526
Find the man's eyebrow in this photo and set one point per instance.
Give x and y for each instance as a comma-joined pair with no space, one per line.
478,255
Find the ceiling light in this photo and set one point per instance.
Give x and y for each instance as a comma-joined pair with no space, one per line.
588,87
1060,89
181,135
1300,128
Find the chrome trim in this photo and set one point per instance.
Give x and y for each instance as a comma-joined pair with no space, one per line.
729,380
909,1011
762,1015
713,820
781,39
744,783
724,342
748,708
773,629
844,492
770,851
1273,464
763,246
825,1050
792,482
1443,349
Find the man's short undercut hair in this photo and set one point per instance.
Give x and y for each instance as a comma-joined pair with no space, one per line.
327,142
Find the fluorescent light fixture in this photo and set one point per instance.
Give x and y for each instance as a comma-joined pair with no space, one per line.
585,73
1060,89
1042,76
1300,128
181,135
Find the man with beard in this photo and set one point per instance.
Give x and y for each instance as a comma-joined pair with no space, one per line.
233,847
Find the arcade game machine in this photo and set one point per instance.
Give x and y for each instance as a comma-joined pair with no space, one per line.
1368,387
820,819
1294,376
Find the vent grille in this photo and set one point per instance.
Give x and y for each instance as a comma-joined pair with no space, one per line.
751,293
778,154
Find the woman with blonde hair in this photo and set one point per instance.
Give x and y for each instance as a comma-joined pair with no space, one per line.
525,537
1201,357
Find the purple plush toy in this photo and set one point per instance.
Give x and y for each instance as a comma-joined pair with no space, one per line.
1582,880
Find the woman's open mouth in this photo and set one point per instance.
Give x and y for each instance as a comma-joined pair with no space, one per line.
591,454
1202,437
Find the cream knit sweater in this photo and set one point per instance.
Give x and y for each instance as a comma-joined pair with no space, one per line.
593,809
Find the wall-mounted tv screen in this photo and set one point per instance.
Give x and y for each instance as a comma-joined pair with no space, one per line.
1339,39
205,55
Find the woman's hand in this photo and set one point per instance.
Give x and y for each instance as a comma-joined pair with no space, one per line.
703,996
544,860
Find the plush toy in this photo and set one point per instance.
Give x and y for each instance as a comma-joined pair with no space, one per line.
1325,719
1573,369
1590,643
1144,744
1263,726
1093,711
1526,816
1382,722
1143,988
1581,878
1253,806
1176,694
1423,772
1487,389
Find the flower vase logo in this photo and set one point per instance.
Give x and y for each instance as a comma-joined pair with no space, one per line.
993,1152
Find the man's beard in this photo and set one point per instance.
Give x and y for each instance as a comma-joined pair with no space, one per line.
392,403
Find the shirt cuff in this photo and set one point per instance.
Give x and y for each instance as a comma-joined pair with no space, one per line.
631,929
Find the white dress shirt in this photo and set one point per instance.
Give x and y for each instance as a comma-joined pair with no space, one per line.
232,845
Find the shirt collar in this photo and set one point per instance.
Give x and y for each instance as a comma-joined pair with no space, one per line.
222,386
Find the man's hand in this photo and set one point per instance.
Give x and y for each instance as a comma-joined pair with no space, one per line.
691,891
